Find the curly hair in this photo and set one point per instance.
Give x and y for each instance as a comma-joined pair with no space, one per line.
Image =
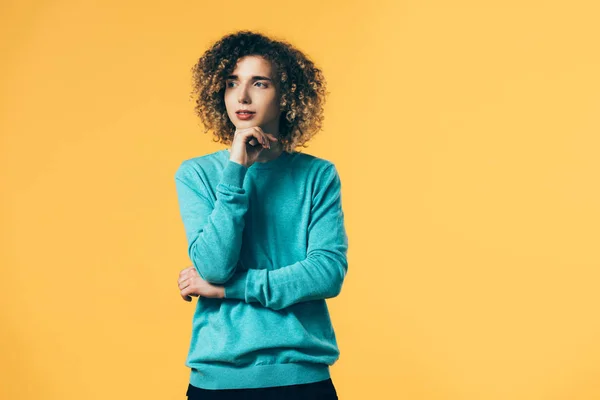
303,87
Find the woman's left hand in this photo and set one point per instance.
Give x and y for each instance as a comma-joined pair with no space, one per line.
191,284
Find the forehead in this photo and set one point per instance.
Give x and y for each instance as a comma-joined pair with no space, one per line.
253,65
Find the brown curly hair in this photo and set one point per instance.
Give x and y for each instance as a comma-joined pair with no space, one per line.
303,87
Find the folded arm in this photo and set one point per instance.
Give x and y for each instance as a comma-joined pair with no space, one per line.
320,275
213,228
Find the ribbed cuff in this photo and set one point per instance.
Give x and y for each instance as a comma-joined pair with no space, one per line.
235,288
233,174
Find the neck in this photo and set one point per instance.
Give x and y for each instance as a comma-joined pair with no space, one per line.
270,154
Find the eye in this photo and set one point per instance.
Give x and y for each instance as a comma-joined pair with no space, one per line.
228,84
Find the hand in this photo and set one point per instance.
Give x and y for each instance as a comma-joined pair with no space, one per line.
191,284
245,148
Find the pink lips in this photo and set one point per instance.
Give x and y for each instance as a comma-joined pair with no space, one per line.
244,116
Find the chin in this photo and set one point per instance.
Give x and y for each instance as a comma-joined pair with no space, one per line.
247,124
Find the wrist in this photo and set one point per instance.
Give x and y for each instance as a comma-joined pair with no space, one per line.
238,162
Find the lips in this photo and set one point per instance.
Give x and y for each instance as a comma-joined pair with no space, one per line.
244,112
244,116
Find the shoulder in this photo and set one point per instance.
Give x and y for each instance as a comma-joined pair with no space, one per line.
322,174
195,168
315,165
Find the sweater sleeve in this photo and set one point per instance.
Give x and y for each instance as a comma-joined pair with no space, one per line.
213,228
320,275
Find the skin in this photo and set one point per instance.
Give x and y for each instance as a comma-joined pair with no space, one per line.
251,142
261,96
191,284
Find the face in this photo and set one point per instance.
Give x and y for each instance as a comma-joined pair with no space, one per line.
251,86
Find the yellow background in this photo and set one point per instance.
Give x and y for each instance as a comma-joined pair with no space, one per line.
466,134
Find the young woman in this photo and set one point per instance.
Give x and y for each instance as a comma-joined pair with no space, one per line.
264,226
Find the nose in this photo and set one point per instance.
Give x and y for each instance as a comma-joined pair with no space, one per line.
243,97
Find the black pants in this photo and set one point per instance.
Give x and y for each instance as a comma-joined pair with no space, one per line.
322,390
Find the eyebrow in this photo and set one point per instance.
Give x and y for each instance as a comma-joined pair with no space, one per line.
254,78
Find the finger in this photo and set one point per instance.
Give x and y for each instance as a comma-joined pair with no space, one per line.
255,141
258,133
187,292
252,136
247,134
182,278
183,271
190,271
269,137
183,283
187,297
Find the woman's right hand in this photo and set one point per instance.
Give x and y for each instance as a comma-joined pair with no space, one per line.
248,143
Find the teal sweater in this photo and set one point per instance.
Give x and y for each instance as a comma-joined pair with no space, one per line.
273,235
